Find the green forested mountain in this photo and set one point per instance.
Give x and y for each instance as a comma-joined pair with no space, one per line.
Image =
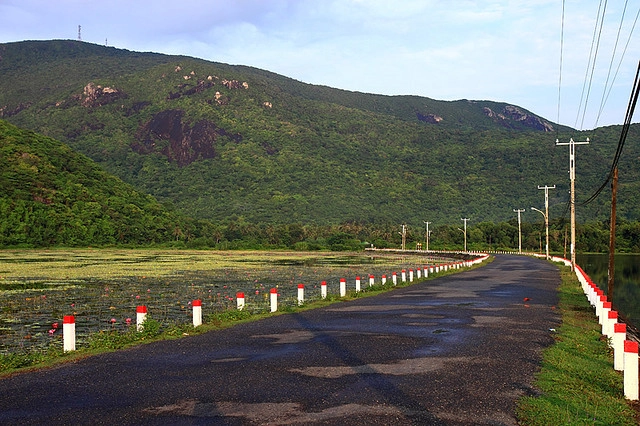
234,143
51,195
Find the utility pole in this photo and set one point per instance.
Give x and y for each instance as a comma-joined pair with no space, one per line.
79,33
546,209
465,233
572,177
612,235
404,236
519,229
427,235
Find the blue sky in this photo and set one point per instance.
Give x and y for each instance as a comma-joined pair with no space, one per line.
507,50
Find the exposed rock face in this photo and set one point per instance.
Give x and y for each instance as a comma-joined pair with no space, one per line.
510,114
95,95
5,112
179,142
429,118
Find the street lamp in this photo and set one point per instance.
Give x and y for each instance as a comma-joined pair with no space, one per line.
519,230
546,224
465,232
427,239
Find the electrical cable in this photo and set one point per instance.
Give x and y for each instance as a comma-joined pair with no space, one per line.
621,58
613,55
560,71
590,63
635,93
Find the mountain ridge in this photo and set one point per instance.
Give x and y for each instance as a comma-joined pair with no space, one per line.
222,141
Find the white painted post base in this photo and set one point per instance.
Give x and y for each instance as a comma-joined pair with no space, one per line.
619,336
631,370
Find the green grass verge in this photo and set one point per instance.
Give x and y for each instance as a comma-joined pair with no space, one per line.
577,381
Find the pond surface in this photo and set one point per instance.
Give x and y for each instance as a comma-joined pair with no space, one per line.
102,288
626,293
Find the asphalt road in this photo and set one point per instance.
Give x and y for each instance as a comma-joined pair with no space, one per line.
456,350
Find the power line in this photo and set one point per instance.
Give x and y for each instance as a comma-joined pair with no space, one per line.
635,93
613,55
624,51
560,71
592,54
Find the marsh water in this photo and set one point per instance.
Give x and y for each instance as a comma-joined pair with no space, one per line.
102,288
626,294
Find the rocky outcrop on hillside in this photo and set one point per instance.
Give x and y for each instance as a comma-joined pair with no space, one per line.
181,143
511,114
429,118
94,95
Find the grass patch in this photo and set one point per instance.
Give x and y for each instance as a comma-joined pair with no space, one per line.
577,381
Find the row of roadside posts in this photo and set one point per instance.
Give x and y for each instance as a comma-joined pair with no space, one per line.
625,352
69,326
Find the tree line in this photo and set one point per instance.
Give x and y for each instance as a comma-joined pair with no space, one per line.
30,225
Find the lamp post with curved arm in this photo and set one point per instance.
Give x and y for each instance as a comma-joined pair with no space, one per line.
546,225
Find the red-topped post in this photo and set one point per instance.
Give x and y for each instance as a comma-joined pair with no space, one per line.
141,317
619,336
631,370
240,300
69,333
274,299
197,312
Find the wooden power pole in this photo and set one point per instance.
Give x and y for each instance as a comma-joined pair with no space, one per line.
612,235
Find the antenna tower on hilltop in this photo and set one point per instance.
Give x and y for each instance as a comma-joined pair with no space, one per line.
79,33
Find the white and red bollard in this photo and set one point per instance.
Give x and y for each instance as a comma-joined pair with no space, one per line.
404,275
617,341
357,283
411,275
343,287
240,301
141,317
274,299
323,289
394,278
419,273
69,333
384,279
197,312
607,327
631,370
300,294
372,280
426,271
604,313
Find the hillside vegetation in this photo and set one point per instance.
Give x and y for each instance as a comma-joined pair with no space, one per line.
51,195
239,144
